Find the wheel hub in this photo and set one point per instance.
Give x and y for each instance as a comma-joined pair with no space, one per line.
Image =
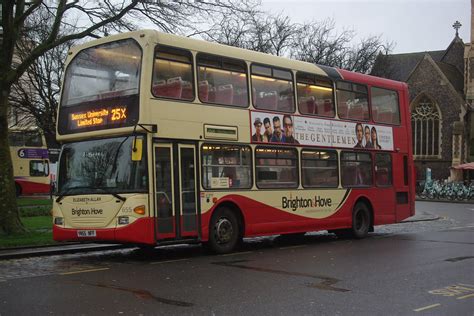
223,230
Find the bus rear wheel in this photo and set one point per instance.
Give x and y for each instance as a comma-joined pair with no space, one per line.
360,220
223,231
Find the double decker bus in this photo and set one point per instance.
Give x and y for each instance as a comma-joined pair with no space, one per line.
168,139
30,161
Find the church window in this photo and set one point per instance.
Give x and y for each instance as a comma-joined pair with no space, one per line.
426,126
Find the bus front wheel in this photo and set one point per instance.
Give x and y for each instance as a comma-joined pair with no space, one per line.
223,231
360,220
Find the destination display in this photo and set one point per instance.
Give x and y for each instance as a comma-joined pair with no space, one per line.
292,129
33,153
98,115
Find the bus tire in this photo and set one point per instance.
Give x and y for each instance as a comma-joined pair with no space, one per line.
223,231
17,189
360,220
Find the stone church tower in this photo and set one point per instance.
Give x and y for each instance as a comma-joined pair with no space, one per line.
440,112
469,91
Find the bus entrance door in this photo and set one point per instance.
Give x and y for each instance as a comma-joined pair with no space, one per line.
175,191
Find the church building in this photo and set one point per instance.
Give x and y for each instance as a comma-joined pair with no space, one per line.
441,89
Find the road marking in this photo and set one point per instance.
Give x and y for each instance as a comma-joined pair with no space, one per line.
426,307
292,247
236,253
465,296
462,227
84,271
169,261
455,290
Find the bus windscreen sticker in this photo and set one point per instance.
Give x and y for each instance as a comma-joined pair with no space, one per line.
291,129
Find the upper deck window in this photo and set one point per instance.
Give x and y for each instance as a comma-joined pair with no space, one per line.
315,95
272,89
385,107
352,101
25,138
102,72
173,74
222,80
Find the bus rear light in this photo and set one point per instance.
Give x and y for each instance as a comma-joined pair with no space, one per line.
123,220
140,210
59,221
214,200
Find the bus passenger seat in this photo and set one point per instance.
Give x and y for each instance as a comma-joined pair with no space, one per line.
356,113
385,117
187,92
349,176
203,90
311,105
159,88
374,114
212,94
285,103
241,98
174,87
269,100
225,94
342,109
382,177
328,109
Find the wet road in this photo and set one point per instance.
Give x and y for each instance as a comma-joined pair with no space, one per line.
411,268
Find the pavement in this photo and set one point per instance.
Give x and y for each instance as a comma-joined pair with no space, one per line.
68,248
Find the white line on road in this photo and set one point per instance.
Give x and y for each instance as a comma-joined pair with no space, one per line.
84,271
426,307
462,227
169,261
293,247
465,296
236,253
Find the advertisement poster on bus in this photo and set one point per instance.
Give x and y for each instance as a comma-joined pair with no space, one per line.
292,129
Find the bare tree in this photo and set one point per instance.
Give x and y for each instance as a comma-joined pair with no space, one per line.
254,30
315,42
97,18
36,93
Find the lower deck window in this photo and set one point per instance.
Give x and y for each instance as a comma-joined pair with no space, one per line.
226,166
276,168
39,168
319,168
383,170
356,169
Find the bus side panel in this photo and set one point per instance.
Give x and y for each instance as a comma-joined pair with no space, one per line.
30,187
262,219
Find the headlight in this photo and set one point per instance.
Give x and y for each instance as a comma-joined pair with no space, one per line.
123,220
59,221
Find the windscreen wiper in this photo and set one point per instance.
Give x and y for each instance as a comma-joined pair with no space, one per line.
66,191
121,198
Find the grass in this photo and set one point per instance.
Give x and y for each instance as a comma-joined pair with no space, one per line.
39,232
35,214
30,207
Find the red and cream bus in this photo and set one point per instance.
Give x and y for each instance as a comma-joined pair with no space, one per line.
168,139
30,161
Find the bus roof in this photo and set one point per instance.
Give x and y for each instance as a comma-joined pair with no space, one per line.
155,37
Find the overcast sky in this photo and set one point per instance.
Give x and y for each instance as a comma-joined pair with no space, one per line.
414,25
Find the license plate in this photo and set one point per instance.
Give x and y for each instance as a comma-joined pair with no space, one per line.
86,233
